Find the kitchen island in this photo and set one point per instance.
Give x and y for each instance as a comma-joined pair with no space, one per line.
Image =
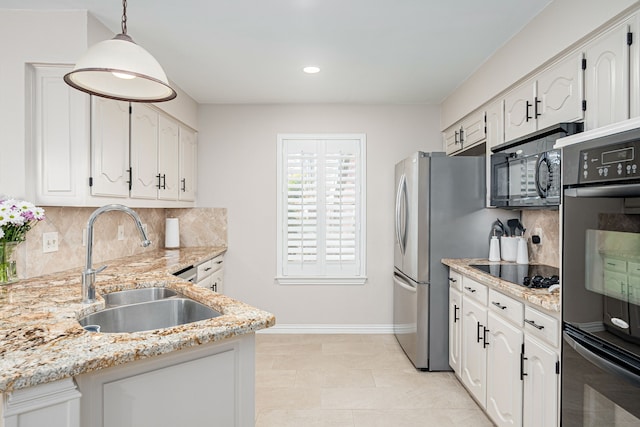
42,342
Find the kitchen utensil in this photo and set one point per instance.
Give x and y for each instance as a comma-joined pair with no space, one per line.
513,225
501,225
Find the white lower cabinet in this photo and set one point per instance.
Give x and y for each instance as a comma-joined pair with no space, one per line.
211,385
55,404
508,354
504,386
540,371
455,329
474,355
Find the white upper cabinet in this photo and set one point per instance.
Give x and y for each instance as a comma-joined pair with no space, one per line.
465,134
58,145
553,96
188,164
144,152
91,151
110,147
607,77
560,92
168,142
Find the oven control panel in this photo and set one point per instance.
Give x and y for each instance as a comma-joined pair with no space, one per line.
610,163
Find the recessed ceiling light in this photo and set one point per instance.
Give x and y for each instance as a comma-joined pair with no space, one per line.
311,70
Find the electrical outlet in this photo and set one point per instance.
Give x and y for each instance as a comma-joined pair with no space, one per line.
121,232
537,231
49,242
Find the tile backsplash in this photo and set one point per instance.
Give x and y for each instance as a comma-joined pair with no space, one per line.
548,251
198,227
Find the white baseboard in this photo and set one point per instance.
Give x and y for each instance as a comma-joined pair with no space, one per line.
327,329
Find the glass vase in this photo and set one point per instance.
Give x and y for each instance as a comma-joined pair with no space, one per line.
8,271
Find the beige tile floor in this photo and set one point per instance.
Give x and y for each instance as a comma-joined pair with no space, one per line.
354,381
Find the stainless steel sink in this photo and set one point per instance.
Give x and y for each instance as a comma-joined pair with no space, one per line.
151,315
135,296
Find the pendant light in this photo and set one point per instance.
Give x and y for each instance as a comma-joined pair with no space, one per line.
120,69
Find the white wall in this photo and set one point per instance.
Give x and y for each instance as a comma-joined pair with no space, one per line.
237,170
559,26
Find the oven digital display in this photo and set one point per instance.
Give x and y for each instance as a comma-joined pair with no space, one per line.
617,156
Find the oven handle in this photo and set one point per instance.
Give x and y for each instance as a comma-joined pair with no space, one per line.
624,190
601,362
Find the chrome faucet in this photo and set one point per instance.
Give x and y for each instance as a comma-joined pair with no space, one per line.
89,274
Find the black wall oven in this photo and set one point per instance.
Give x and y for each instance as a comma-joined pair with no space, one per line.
601,282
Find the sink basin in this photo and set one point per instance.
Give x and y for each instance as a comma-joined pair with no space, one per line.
135,296
150,315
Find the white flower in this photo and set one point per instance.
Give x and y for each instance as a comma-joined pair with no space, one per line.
38,214
15,218
4,219
1,233
24,206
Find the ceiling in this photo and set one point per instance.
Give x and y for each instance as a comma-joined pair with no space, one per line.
369,51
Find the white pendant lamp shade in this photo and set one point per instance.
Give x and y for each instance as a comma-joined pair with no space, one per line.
120,69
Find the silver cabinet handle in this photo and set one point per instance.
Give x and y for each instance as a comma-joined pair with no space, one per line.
451,279
497,304
470,289
534,324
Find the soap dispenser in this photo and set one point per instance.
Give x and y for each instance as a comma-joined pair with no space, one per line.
494,248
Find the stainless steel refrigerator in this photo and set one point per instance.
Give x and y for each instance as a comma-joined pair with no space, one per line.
439,213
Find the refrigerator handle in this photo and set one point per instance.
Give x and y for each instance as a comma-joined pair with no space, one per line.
601,362
403,284
400,194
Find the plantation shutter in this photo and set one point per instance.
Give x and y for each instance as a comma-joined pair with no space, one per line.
321,212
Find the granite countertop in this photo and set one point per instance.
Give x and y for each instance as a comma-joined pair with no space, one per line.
536,297
42,341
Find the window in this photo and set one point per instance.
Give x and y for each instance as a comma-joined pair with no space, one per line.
321,209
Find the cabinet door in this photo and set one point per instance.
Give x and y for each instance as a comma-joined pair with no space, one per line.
518,111
473,129
455,329
452,139
504,387
110,147
144,152
540,385
474,355
168,151
607,78
188,164
560,92
59,147
495,124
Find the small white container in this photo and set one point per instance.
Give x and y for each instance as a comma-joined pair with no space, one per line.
494,249
522,256
172,233
508,248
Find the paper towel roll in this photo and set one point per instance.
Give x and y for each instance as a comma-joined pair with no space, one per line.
172,233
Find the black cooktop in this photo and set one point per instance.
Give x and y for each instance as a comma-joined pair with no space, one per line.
529,275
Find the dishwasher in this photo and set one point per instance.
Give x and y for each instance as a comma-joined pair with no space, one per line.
208,274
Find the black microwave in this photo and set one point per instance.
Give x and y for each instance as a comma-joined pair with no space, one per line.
525,172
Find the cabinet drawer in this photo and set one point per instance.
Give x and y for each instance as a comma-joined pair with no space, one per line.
475,290
613,264
455,280
541,325
207,268
634,268
507,307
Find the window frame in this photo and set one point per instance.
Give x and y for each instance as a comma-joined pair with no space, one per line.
361,244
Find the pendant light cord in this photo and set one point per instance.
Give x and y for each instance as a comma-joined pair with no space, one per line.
124,17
